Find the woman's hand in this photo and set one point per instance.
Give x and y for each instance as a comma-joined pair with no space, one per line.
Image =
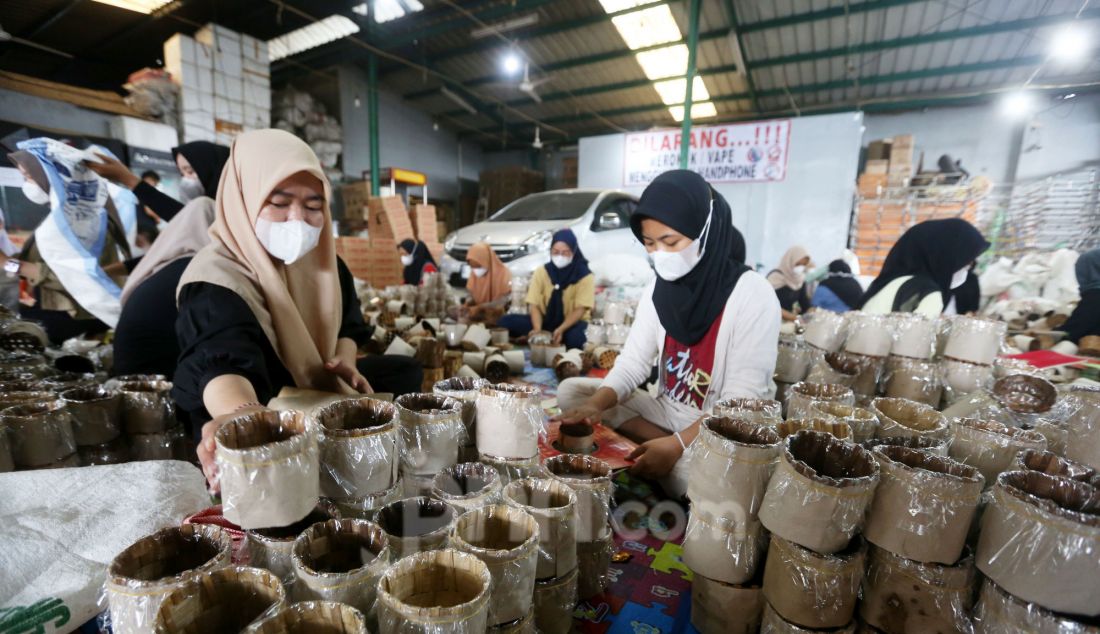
557,335
656,458
584,414
113,170
29,271
207,446
350,375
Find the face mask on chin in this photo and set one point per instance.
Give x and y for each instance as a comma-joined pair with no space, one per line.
671,266
287,241
34,193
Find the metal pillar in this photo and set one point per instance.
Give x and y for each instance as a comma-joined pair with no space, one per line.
693,41
372,122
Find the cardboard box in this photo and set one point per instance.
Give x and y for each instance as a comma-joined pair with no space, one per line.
424,223
355,196
878,150
373,261
876,166
904,141
388,219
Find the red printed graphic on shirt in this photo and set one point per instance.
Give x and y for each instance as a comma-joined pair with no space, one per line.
686,370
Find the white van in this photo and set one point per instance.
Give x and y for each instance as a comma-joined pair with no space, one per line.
520,233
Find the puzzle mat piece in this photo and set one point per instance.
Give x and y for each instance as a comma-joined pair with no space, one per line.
668,558
596,615
639,619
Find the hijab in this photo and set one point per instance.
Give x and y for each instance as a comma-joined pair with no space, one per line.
298,306
1088,270
26,160
421,257
497,281
784,274
932,252
689,306
186,234
842,283
565,277
207,159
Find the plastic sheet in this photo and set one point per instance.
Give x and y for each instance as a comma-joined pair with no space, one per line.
869,334
465,391
6,462
416,525
440,592
820,491
975,339
553,505
590,479
729,466
41,433
594,566
224,600
755,410
900,595
94,412
841,368
506,539
934,446
990,446
510,421
772,623
793,360
810,589
1084,427
825,330
311,617
801,395
915,335
899,417
432,433
555,599
837,429
467,486
340,560
1040,541
268,468
147,407
998,611
862,422
723,608
271,548
916,380
359,447
1052,464
923,506
512,469
723,549
961,378
144,574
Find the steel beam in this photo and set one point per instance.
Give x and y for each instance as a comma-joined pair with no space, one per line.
825,14
693,43
735,28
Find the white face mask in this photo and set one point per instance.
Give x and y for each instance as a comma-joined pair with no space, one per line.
800,269
480,272
190,189
407,259
959,278
561,261
34,193
671,266
288,240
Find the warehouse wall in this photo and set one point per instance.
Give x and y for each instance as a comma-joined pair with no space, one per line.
811,207
1062,139
51,114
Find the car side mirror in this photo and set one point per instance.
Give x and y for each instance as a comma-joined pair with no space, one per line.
610,220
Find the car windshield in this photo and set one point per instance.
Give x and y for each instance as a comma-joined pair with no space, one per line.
548,206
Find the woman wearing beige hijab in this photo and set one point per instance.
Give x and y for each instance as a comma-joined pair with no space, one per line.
789,281
490,282
266,305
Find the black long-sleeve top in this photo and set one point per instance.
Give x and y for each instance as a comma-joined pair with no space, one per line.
1085,318
788,297
162,204
218,334
145,337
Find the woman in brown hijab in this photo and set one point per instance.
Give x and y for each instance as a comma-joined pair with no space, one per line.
490,282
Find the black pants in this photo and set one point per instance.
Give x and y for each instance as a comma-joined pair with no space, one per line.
392,373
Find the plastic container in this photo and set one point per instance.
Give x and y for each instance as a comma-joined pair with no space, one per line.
432,433
962,377
224,600
840,368
899,417
366,507
594,566
553,505
934,446
729,467
901,595
340,560
94,412
506,539
1052,464
990,446
359,447
590,479
415,525
510,421
1084,427
512,469
916,380
801,395
810,589
862,422
467,486
439,592
465,391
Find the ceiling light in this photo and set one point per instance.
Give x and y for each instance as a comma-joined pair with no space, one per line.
361,9
671,61
511,63
614,6
698,111
387,10
1017,105
332,28
1070,43
647,27
530,19
672,91
1069,96
141,6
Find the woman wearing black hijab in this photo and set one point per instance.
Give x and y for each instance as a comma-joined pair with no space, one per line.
839,291
924,266
708,322
417,260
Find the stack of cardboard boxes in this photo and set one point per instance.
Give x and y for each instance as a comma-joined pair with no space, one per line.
387,221
505,184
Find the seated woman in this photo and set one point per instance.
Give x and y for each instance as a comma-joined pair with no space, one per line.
839,291
789,282
924,266
1085,318
490,282
560,297
418,261
265,305
709,322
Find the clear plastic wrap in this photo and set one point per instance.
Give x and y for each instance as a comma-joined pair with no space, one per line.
825,330
11,399
723,608
1052,464
841,368
900,417
924,505
465,391
147,407
41,433
596,332
366,507
810,589
901,595
934,446
1040,541
359,447
594,566
838,429
1025,394
990,446
1084,427
863,422
914,335
340,560
869,334
68,380
224,600
772,623
21,383
590,479
998,611
509,421
962,377
271,548
432,433
723,549
467,486
820,491
439,592
917,380
506,539
416,525
268,468
975,339
6,462
801,395
755,410
555,599
793,359
142,575
95,412
729,466
512,469
156,446
311,617
553,505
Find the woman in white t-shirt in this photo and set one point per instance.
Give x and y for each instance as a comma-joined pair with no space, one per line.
709,323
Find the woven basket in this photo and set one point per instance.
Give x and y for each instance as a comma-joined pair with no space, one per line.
506,539
438,592
340,560
224,600
359,447
313,617
416,525
467,486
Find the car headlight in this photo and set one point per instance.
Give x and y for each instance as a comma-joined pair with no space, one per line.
539,242
449,241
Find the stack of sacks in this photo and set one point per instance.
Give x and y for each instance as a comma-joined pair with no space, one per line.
869,341
910,372
730,465
972,345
